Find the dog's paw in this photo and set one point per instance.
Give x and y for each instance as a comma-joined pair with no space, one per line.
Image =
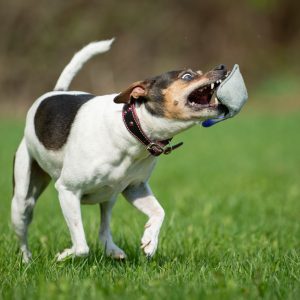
149,240
149,246
71,252
111,249
116,253
67,253
26,256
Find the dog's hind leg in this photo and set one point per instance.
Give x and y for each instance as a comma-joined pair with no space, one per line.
29,182
111,249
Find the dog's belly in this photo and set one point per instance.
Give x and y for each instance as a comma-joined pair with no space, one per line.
104,194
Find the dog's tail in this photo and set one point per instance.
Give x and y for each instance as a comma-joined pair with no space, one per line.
78,60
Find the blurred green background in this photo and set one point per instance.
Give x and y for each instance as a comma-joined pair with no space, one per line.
38,38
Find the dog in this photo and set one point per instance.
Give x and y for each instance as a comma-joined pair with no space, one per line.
96,147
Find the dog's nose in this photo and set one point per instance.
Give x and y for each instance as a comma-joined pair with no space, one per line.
221,68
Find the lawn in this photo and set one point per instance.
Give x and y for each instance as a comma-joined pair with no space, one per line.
232,202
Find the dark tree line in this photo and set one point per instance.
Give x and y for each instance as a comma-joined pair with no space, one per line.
39,37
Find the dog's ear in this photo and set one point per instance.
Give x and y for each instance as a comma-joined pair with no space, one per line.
136,90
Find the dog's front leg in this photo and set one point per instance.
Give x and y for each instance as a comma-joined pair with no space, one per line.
70,205
142,198
111,249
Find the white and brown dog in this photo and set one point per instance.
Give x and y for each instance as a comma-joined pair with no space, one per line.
95,147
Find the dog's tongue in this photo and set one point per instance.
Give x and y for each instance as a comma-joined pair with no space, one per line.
232,93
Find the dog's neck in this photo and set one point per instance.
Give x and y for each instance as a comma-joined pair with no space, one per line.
159,128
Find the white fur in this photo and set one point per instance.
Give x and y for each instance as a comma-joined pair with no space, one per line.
100,160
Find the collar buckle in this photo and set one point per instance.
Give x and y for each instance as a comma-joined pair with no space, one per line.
155,149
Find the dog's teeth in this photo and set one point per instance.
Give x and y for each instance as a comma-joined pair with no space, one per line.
216,101
212,86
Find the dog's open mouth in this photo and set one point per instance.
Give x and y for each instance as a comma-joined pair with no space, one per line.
202,97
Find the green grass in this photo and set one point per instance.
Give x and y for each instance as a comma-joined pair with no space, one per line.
232,202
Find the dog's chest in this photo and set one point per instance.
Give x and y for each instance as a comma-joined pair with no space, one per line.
108,181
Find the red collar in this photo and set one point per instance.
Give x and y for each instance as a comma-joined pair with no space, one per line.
133,125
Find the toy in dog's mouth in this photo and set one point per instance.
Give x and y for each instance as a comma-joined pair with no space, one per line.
203,97
232,94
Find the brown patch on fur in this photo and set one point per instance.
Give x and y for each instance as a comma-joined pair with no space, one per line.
175,96
54,118
135,90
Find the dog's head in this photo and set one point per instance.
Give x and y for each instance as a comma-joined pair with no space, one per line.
180,95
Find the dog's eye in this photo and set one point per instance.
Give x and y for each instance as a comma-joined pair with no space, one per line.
187,76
